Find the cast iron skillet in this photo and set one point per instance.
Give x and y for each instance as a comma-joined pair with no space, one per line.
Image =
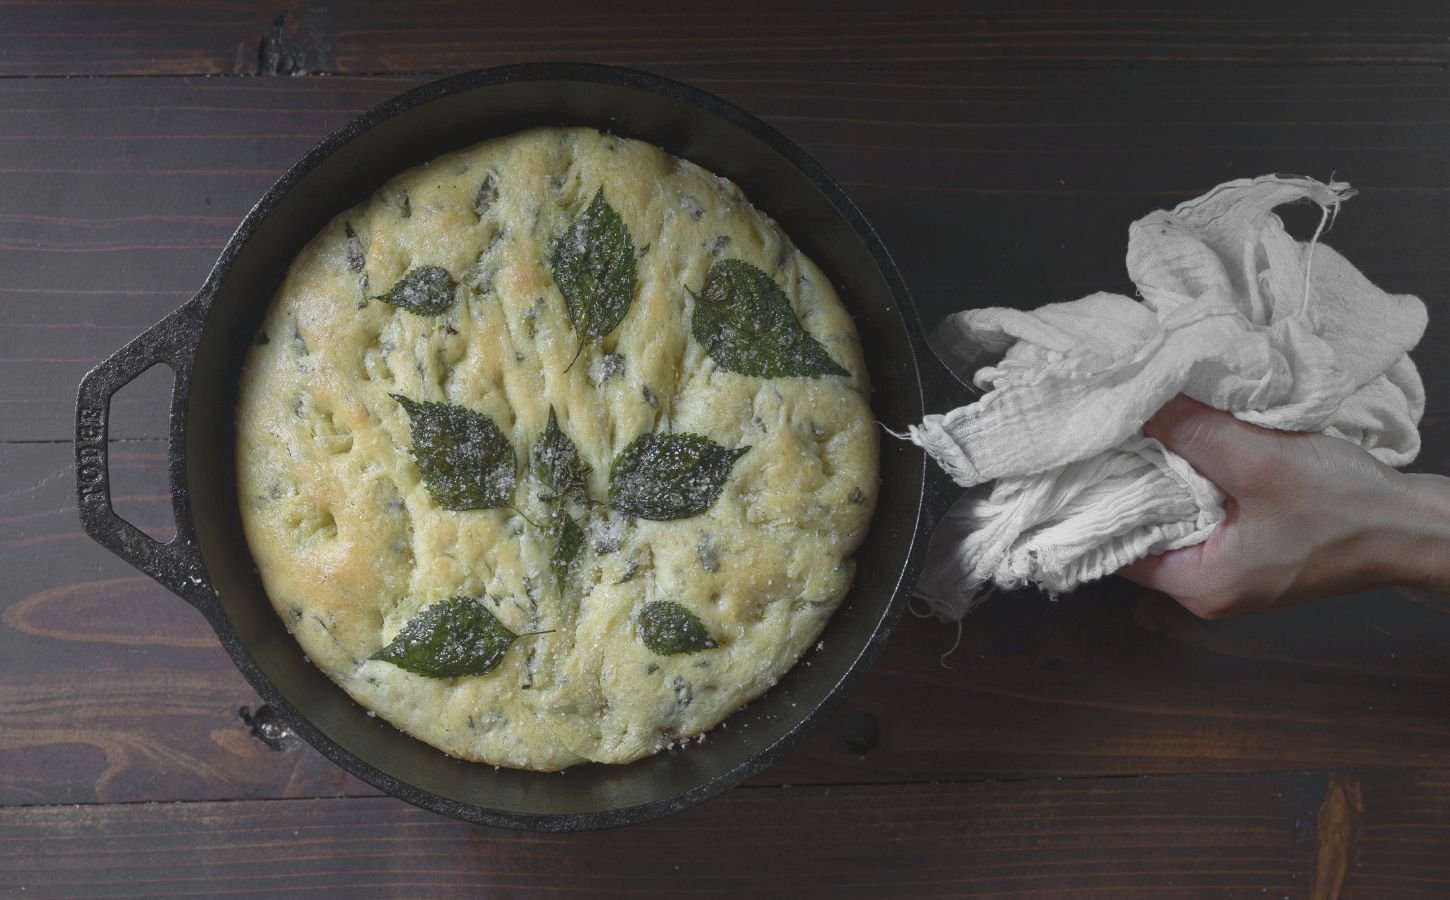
205,340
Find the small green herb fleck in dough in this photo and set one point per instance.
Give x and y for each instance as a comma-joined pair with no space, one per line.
567,547
356,259
745,323
668,628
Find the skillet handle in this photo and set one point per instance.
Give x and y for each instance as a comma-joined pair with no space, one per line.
176,564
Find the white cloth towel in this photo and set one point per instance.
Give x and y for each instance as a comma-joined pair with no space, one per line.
1235,313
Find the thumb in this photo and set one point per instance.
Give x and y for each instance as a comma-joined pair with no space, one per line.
1223,449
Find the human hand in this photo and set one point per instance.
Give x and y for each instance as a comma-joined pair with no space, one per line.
1307,516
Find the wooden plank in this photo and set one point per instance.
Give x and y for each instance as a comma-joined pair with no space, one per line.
112,687
94,37
1227,836
99,243
113,690
1115,679
990,188
1395,827
62,38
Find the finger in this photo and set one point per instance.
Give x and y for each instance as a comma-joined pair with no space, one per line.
1223,449
1174,572
1179,574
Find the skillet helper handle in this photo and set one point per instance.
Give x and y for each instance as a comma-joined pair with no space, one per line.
176,564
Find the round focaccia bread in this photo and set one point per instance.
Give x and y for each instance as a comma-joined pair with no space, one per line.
353,543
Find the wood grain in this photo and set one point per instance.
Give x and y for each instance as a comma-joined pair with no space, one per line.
1001,150
116,681
95,37
1402,831
112,688
990,189
1225,836
1336,834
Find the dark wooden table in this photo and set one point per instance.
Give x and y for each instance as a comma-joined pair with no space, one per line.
1107,744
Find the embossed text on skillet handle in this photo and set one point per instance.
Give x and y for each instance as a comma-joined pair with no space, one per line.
177,563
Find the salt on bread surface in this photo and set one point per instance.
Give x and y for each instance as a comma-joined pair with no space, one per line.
351,546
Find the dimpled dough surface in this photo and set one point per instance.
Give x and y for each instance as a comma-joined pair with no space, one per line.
351,546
